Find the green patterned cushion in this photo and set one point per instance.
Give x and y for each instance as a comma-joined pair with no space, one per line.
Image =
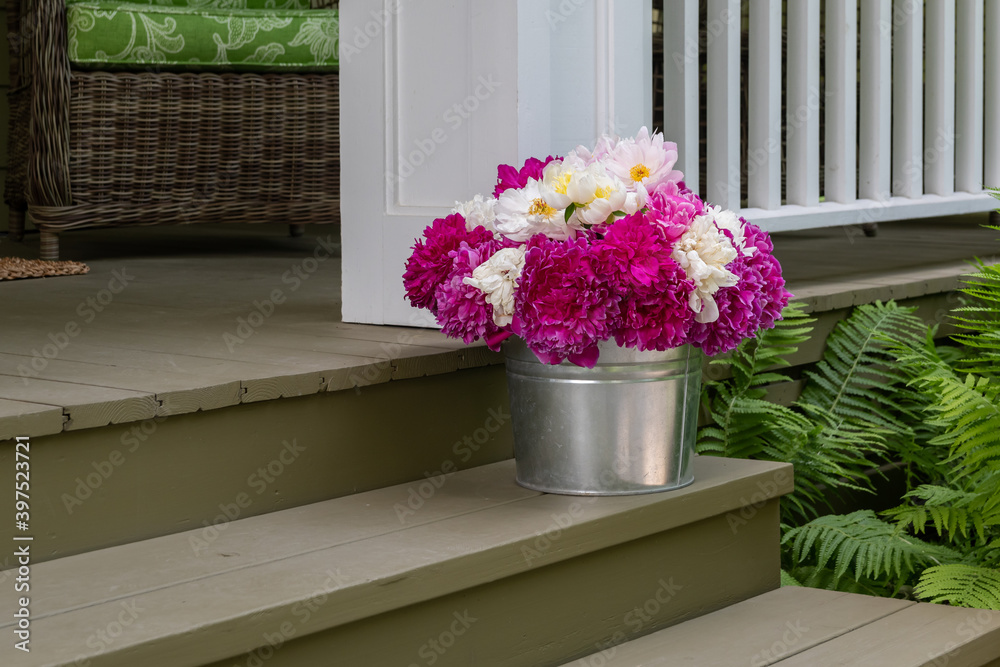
215,4
206,34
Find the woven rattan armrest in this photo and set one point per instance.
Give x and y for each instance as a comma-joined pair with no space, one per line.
43,32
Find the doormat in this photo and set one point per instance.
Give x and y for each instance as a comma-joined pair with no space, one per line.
13,268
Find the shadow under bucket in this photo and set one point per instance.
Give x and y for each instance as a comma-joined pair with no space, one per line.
624,427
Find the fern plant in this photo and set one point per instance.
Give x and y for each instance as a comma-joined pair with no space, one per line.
961,505
853,381
861,544
961,585
884,390
956,515
827,434
979,320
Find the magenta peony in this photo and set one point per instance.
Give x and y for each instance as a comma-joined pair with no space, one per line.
509,177
650,286
631,255
562,309
462,310
753,303
657,319
431,261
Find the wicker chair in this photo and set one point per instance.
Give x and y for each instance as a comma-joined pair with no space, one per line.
117,148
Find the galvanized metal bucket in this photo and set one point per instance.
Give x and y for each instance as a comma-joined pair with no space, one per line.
624,427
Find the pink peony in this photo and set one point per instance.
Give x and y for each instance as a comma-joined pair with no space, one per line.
562,309
431,261
462,310
673,209
753,303
509,177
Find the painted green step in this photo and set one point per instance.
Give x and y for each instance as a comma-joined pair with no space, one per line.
102,487
805,627
464,569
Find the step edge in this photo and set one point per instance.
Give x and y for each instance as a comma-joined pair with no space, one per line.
576,541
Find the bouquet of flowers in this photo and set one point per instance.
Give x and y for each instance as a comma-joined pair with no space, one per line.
599,244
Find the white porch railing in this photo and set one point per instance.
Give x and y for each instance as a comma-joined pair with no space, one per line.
906,124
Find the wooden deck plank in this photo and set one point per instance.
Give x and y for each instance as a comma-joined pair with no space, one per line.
21,418
460,519
261,380
217,615
177,393
761,631
283,386
386,334
283,361
865,288
86,405
168,475
922,635
147,360
192,556
477,356
306,352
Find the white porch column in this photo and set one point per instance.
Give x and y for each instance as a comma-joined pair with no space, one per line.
436,93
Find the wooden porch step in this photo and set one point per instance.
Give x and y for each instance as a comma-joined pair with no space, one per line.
805,627
463,569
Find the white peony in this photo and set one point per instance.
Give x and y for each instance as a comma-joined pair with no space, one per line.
554,186
497,278
594,192
703,252
478,212
726,219
522,213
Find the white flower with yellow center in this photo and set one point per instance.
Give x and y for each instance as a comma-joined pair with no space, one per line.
554,187
726,219
522,213
497,278
594,194
597,195
703,251
478,212
645,160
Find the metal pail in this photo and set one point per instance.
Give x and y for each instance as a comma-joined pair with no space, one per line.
625,426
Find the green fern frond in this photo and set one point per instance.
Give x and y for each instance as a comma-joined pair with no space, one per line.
739,415
954,513
985,556
789,580
869,547
853,381
828,451
771,347
961,585
968,411
980,320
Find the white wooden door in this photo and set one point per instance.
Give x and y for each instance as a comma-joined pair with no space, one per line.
436,93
